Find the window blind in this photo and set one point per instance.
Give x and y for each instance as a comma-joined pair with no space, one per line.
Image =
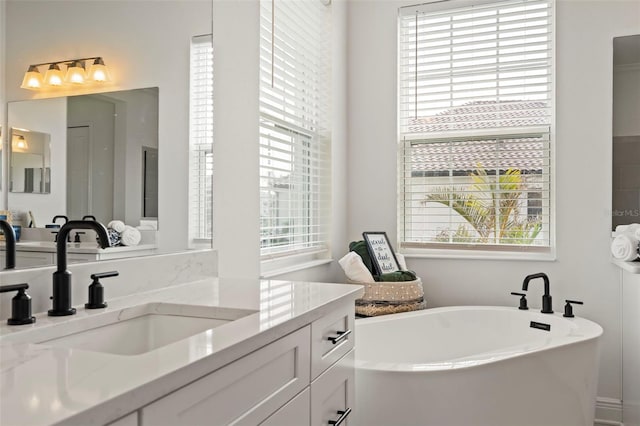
294,126
201,141
476,108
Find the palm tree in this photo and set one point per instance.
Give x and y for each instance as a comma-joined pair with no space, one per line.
491,206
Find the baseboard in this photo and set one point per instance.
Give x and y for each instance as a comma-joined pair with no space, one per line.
608,412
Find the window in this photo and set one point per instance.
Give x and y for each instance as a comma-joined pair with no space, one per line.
200,142
294,128
476,116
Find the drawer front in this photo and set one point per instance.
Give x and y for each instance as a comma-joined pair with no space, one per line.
294,413
332,394
331,338
244,392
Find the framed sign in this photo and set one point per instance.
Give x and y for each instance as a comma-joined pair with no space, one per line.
382,255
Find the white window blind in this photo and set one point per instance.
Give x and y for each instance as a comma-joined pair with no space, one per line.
201,141
294,126
476,109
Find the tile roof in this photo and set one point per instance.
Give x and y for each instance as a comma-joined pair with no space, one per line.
524,153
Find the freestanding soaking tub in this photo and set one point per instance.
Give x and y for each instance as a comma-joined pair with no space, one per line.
473,366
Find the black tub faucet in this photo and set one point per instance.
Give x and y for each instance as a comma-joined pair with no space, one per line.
546,297
62,277
10,244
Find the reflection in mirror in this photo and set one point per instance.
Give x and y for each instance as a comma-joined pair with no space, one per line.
626,130
98,143
29,161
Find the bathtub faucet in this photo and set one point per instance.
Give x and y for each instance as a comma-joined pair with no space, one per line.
546,297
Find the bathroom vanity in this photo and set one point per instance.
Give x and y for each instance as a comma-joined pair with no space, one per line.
273,353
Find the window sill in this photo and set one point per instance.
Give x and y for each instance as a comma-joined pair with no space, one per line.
293,268
477,255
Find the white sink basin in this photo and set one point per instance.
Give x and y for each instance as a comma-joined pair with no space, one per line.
136,330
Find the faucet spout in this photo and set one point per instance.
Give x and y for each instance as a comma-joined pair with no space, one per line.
62,277
546,298
10,244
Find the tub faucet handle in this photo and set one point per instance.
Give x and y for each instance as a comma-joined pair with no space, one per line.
568,309
523,300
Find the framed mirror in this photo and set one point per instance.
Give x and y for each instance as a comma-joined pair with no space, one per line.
626,131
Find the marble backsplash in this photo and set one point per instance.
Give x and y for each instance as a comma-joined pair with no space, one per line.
136,275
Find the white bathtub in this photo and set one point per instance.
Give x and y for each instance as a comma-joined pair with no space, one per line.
468,366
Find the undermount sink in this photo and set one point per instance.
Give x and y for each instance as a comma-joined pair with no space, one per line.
143,328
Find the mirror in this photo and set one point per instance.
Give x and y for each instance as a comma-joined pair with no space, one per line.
152,174
626,130
29,162
107,151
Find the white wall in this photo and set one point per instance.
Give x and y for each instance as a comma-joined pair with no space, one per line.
145,44
583,271
3,107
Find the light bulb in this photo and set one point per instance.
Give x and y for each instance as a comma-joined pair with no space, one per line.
53,76
75,73
32,79
98,71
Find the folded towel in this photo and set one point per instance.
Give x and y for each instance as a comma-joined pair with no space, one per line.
625,247
360,247
117,225
130,236
355,269
401,262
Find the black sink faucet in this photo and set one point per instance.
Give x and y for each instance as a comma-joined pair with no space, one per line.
10,244
62,277
546,298
60,216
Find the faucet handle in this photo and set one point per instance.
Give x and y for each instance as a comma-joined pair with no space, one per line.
77,237
96,290
568,309
523,301
20,304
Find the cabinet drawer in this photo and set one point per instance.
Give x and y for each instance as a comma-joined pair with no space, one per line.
332,394
294,413
331,338
244,392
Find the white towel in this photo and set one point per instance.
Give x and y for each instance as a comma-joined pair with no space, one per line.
401,262
355,269
625,247
130,236
117,225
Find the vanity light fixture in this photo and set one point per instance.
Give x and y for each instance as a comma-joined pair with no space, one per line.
76,74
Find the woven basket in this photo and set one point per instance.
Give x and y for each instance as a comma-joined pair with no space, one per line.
381,298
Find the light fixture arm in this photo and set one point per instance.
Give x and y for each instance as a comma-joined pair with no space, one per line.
66,62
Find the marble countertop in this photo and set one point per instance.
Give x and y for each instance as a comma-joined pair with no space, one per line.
44,385
85,247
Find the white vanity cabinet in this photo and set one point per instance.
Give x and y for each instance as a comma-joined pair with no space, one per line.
304,378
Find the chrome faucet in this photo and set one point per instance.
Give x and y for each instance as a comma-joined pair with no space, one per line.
546,298
10,244
62,277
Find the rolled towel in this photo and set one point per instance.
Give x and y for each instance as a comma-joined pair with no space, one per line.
355,269
636,233
130,236
117,225
625,247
